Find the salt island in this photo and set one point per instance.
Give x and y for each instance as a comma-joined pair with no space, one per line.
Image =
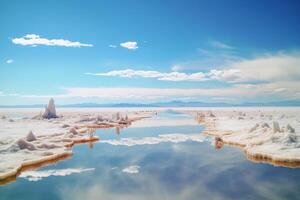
46,137
268,135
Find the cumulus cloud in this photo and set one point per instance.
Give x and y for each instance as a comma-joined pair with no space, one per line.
35,40
129,45
112,46
9,61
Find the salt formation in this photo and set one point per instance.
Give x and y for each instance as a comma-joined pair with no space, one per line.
22,144
290,128
30,137
251,129
276,127
50,111
73,130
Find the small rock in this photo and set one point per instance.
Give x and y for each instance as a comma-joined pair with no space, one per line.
218,142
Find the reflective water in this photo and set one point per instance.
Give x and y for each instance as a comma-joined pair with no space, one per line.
146,166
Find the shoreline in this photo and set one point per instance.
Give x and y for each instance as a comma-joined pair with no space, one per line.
11,176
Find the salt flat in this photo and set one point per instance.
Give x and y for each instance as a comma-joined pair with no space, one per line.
32,138
267,134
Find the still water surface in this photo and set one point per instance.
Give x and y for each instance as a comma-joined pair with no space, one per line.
160,170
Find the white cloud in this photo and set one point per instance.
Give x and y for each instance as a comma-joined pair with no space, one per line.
39,175
271,77
220,45
129,45
271,68
225,74
34,40
133,169
171,76
9,61
112,46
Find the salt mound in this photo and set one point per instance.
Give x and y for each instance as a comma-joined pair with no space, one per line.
65,126
50,111
73,130
30,137
276,127
263,138
48,146
254,128
211,114
290,128
25,145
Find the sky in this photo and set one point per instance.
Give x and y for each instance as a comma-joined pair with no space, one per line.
149,51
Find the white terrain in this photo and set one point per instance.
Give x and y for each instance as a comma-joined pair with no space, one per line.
29,138
269,135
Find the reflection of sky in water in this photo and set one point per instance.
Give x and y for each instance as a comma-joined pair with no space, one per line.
188,170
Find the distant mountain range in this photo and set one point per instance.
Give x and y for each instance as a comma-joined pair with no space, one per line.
162,104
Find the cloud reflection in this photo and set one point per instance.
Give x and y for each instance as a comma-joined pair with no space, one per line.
133,169
174,138
39,175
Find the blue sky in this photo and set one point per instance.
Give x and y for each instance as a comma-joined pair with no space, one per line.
149,51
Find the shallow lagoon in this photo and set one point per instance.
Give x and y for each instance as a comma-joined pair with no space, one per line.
166,170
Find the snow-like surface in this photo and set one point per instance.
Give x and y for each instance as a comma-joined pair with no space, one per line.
27,138
269,133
